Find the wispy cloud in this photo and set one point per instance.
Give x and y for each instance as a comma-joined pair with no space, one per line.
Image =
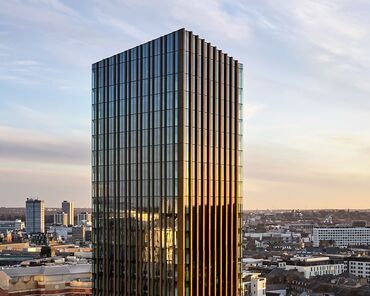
307,86
36,147
120,24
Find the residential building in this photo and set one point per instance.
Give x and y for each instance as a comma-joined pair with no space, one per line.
253,284
341,236
61,218
166,149
35,216
68,207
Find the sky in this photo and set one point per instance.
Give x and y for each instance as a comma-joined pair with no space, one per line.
306,92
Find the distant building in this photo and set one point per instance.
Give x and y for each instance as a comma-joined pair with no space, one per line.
61,231
275,236
316,266
253,284
83,218
35,216
341,236
359,223
68,207
61,218
78,233
46,280
14,225
303,227
359,266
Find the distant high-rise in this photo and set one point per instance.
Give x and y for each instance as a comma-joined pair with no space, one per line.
68,207
61,218
35,216
166,169
83,218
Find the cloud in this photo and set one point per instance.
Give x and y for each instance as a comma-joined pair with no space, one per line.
211,17
25,145
303,59
121,25
24,63
337,38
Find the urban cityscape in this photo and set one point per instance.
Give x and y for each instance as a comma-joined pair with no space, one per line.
140,158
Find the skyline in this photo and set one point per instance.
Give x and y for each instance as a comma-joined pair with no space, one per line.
306,127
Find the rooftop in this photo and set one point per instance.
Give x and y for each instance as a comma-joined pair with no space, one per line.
47,270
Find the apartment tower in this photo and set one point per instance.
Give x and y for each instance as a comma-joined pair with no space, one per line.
166,169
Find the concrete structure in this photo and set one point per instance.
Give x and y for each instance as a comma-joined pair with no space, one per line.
359,266
166,164
69,209
35,216
61,218
78,233
84,218
316,266
253,284
341,236
62,280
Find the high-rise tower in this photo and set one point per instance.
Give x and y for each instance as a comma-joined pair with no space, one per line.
35,216
68,207
166,169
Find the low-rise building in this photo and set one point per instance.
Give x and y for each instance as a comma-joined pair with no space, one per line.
62,279
341,236
277,236
61,231
359,266
13,225
316,266
253,284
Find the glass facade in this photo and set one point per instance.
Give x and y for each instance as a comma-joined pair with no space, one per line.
35,216
165,167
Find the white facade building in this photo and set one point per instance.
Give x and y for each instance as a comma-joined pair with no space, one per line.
61,231
287,236
342,236
359,266
258,286
253,284
316,266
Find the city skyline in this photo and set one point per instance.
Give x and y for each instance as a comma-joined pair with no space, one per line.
307,129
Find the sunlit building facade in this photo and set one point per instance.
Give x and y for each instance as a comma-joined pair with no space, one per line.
69,209
166,146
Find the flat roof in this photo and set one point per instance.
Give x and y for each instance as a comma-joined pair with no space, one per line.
47,270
